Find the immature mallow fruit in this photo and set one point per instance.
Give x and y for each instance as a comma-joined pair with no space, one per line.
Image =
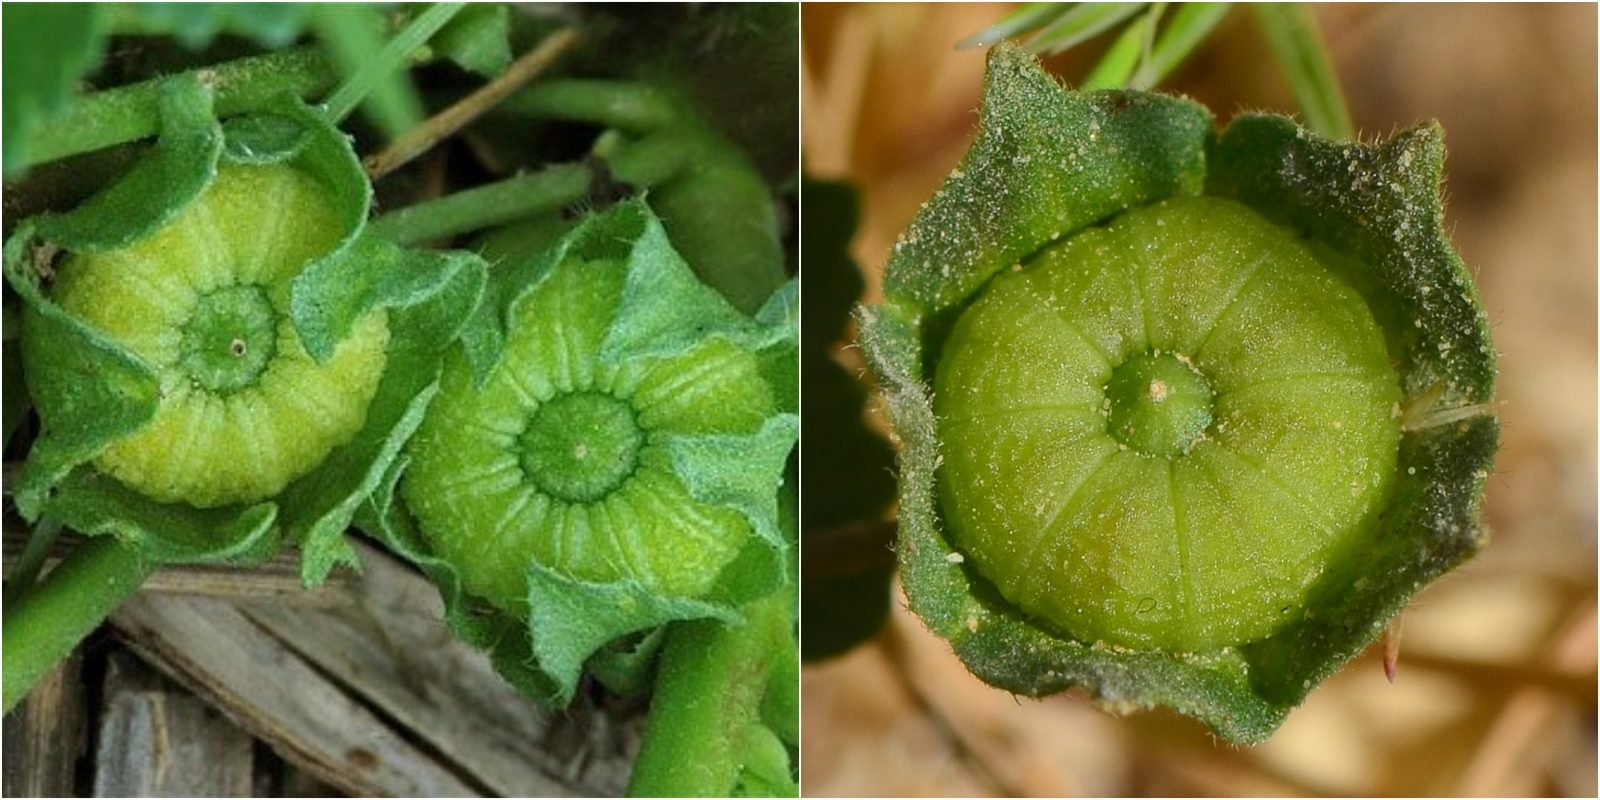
1186,417
1160,432
561,459
204,301
604,457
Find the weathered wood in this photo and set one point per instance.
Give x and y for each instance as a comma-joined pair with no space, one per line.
45,735
156,740
391,648
212,648
277,578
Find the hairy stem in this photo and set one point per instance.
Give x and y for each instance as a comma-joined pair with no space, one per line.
708,693
42,626
491,204
129,113
624,105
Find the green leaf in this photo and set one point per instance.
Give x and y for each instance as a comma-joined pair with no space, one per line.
478,39
91,503
47,47
1116,66
1371,212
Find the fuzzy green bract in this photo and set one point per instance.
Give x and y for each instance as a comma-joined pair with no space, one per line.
221,360
1186,416
604,457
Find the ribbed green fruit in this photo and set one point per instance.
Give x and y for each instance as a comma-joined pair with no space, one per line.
1161,432
204,300
558,459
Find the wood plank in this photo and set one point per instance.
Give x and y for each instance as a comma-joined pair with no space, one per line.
45,735
155,740
211,647
277,578
392,649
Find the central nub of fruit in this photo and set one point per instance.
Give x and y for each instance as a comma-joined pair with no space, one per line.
1157,404
229,338
580,447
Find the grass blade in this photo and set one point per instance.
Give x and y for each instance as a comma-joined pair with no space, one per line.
1292,35
1188,28
1030,17
1117,65
374,69
1083,22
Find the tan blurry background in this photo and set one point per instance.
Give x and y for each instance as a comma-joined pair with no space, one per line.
1496,692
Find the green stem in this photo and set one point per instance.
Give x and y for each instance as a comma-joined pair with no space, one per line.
653,159
1291,34
46,623
129,113
625,105
40,540
343,28
492,204
708,693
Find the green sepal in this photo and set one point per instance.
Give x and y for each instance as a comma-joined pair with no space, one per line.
742,473
1379,204
666,309
570,620
1046,162
94,504
1373,212
264,138
160,185
426,316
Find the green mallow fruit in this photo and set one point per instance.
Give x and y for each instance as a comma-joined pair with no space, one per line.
604,457
1185,416
1161,431
559,459
222,358
204,301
